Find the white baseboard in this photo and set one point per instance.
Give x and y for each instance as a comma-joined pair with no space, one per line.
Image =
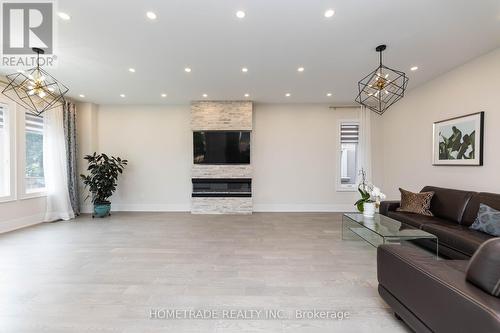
143,208
86,209
22,222
256,208
303,208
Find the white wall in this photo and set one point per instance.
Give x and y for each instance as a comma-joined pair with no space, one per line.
21,213
157,141
294,155
86,131
405,140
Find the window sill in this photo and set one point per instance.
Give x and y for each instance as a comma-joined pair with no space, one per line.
346,189
7,199
33,195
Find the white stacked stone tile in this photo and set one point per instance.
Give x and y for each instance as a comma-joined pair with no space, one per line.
222,206
221,115
221,171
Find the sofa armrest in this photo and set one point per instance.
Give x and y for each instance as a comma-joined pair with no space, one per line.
388,206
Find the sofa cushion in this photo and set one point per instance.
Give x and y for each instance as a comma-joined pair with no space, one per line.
388,206
415,220
447,203
484,267
487,221
418,203
457,237
490,199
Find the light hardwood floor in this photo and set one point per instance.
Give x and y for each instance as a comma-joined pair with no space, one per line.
105,275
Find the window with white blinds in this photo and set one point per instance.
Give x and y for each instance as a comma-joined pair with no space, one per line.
349,133
34,124
349,139
34,179
5,165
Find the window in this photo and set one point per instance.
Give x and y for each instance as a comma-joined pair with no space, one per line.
5,179
349,141
34,178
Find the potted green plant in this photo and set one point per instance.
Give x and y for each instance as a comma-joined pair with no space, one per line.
101,181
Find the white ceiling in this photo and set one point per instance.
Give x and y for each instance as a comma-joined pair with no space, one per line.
104,38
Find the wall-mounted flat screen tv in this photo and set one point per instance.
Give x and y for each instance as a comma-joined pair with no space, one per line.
221,147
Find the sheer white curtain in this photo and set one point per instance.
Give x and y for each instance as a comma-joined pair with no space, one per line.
365,154
55,168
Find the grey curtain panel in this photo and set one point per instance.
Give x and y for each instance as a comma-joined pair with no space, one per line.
69,118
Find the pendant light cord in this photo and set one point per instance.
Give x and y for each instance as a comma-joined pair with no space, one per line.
38,58
38,52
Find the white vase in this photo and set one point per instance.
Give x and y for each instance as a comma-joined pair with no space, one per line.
369,209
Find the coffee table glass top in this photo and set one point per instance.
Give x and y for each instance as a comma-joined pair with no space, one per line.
381,229
387,227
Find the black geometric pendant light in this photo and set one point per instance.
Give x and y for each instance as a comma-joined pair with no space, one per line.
35,89
383,87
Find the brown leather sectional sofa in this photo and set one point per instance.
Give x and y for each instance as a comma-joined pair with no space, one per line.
437,295
454,211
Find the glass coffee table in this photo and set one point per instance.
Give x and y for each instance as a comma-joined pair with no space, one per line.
381,230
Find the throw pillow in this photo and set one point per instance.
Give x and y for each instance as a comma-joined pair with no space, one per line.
484,267
419,203
487,220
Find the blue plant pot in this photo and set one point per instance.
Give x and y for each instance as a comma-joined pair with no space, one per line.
102,210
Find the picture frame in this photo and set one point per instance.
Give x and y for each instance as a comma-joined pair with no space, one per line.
459,140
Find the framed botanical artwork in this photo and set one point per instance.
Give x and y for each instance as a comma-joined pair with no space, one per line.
459,141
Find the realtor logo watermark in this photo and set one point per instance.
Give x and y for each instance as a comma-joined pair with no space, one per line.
248,314
26,25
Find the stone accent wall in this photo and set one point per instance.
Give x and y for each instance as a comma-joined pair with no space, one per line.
221,206
221,171
221,115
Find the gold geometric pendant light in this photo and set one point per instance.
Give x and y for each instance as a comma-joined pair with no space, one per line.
35,90
383,87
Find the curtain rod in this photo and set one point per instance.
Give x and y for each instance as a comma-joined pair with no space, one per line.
343,106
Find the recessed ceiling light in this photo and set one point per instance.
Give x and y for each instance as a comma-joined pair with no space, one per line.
329,95
414,68
122,95
82,95
64,16
329,13
247,95
151,15
244,70
131,70
240,14
205,95
300,69
187,70
288,94
163,95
